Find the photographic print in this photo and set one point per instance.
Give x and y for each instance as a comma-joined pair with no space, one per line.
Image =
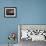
31,33
10,12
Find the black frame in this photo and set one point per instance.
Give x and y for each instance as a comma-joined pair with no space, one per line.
5,12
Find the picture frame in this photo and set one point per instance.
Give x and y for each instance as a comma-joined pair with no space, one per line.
10,12
40,28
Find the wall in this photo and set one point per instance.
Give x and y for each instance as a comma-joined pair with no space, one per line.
28,12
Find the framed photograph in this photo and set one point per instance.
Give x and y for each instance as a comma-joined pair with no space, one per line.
10,12
33,32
